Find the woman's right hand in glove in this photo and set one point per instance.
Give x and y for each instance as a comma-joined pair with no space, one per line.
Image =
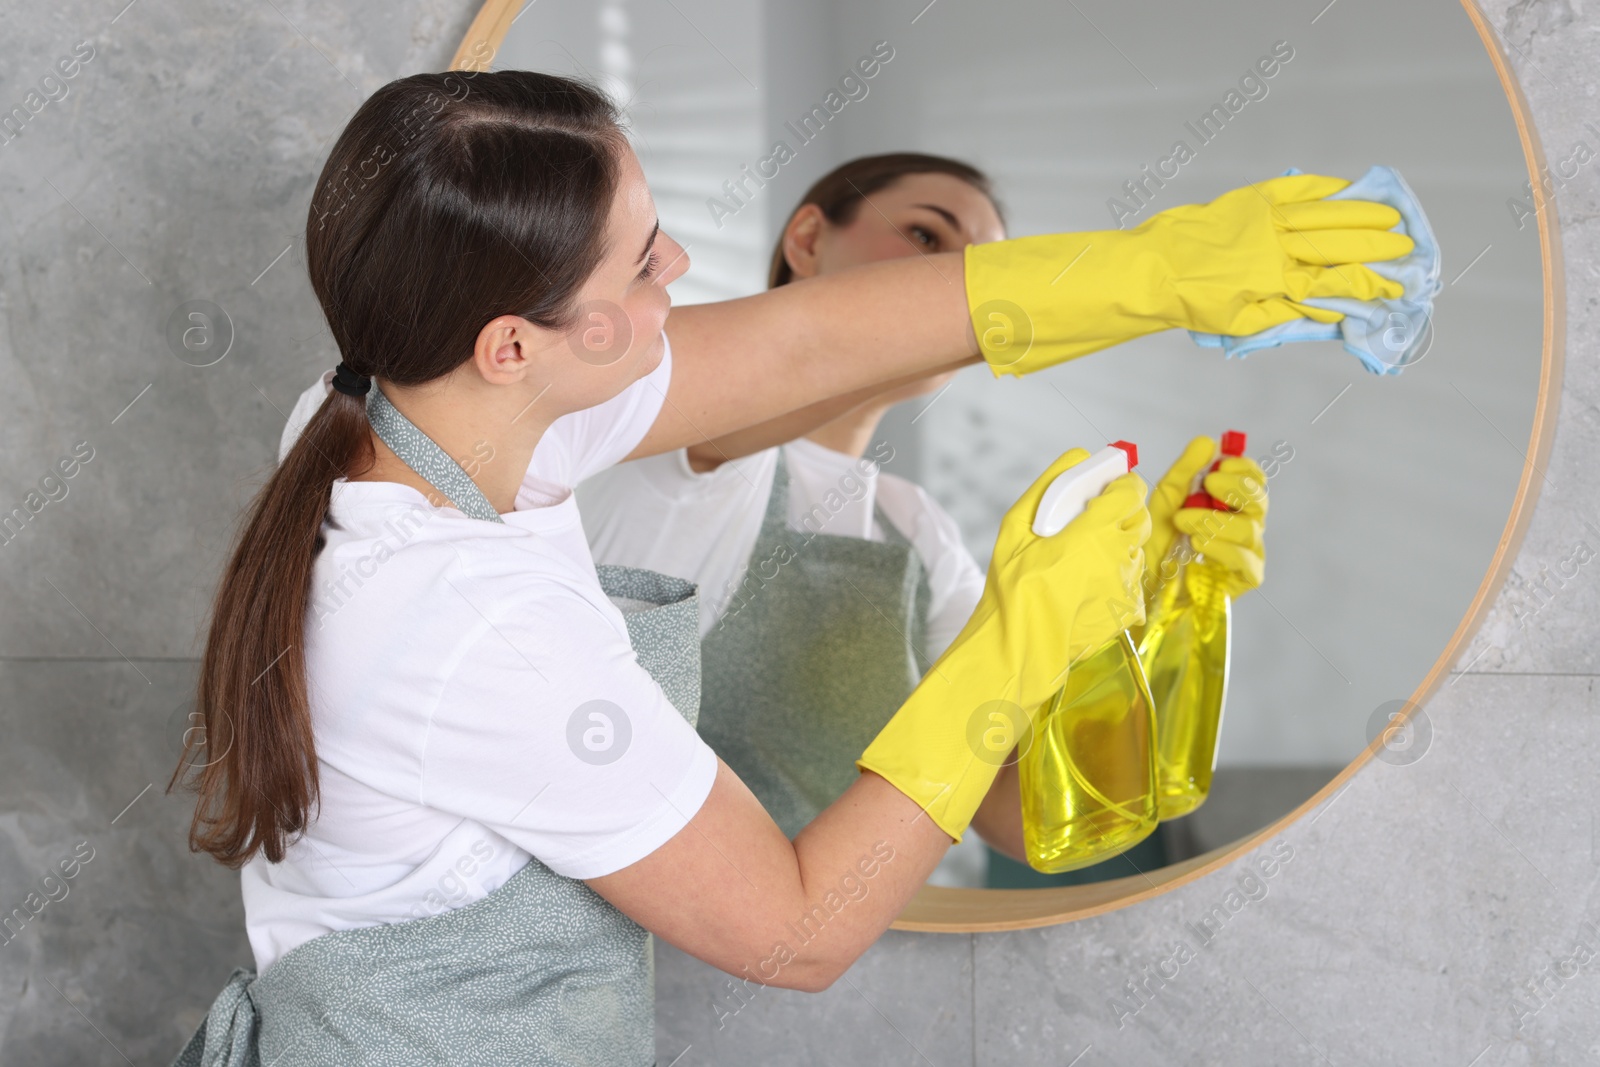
1047,602
1074,591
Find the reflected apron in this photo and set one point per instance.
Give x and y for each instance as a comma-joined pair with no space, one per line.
820,647
541,971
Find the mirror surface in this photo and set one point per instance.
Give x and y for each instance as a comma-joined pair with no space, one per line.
1386,511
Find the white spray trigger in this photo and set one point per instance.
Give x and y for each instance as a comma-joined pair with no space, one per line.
1065,498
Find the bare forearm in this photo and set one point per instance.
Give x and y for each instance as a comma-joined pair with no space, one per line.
737,363
999,817
731,890
709,455
856,866
861,861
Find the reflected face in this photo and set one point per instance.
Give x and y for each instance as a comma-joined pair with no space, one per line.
913,215
917,213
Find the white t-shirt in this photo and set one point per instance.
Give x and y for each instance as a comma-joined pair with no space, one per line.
452,665
659,513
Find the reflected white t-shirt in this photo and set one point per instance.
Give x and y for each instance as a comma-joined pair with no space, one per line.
453,668
659,513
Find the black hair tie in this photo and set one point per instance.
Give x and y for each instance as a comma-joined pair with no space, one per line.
349,382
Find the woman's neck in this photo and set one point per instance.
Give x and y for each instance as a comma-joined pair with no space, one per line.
493,446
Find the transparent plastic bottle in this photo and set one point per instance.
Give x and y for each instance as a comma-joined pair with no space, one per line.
1088,779
1185,650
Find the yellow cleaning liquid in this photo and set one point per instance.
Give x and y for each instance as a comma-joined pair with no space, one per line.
1184,649
1088,779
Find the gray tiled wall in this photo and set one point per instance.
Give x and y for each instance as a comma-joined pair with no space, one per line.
1403,928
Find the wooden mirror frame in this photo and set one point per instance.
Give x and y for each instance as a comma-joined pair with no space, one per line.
937,909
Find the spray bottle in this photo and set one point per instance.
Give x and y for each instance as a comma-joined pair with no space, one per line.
1088,780
1185,652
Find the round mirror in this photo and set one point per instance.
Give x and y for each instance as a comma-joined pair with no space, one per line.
1396,501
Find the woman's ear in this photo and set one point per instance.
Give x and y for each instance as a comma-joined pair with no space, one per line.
800,239
504,350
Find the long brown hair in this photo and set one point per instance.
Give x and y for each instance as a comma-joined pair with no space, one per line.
448,200
839,192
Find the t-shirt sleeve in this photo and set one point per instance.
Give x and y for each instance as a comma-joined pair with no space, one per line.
583,443
550,733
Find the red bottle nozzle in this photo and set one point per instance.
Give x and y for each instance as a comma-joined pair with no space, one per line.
1233,444
1131,449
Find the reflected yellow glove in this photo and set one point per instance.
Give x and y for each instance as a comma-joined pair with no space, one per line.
1232,541
1166,499
1047,602
1234,266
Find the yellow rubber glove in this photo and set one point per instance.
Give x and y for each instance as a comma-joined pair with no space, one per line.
1166,499
1233,541
1047,602
1234,266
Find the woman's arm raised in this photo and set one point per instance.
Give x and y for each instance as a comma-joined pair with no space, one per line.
1243,262
709,455
737,363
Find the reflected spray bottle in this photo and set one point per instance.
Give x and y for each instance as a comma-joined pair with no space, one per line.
1185,651
1088,779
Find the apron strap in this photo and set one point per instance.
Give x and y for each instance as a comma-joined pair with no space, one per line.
227,1035
422,454
775,523
891,532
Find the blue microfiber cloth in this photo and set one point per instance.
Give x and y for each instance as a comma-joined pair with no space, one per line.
1385,335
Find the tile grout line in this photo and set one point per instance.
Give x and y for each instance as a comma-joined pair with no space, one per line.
1526,674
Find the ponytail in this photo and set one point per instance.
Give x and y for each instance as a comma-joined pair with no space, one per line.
253,753
449,199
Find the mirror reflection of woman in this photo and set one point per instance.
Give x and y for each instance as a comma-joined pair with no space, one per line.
827,585
452,759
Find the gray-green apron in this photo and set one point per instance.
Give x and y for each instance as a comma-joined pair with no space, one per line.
823,644
541,971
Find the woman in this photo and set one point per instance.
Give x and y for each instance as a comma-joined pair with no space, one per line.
804,660
458,798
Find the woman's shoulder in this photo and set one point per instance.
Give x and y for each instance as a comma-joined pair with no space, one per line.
409,561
